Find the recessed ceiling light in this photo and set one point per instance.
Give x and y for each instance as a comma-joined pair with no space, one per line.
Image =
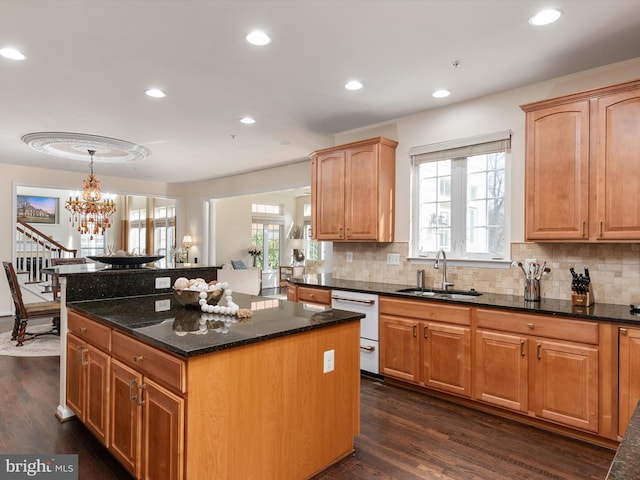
247,120
258,38
441,93
155,93
545,17
353,85
11,53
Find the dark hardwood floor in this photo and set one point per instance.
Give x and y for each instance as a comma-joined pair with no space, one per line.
404,436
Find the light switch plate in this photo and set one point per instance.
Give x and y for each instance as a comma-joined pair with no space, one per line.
163,282
349,257
329,361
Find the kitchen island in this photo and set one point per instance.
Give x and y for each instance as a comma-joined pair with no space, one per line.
176,393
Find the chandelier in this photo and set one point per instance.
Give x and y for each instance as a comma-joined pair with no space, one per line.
91,215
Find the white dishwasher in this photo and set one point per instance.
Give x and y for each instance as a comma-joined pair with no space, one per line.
367,304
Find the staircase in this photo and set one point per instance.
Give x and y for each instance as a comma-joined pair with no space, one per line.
34,251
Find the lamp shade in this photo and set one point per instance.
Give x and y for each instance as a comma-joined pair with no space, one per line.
187,241
296,243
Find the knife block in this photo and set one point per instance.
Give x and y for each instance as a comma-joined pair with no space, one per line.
582,299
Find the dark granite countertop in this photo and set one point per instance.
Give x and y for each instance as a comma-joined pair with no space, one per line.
626,463
598,311
161,321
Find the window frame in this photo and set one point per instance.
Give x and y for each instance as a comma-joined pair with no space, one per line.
456,150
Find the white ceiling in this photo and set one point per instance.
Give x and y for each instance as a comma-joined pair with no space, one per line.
89,62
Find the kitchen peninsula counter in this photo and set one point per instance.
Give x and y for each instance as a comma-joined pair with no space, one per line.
186,394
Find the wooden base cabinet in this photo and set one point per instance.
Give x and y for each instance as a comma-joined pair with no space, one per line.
501,370
552,378
88,364
147,427
629,375
424,351
87,385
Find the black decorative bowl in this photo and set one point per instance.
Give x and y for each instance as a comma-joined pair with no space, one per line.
126,262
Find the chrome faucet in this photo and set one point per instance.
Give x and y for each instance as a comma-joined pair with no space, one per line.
436,265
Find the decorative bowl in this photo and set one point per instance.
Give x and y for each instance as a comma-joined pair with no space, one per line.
126,262
191,298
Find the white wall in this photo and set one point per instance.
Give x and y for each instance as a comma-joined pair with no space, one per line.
232,229
480,116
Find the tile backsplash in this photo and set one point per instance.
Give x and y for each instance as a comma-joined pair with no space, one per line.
614,269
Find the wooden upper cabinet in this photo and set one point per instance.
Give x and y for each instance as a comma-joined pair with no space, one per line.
617,130
582,175
557,172
353,191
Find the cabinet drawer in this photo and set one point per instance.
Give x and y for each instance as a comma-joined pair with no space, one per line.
538,325
314,295
425,310
150,361
89,330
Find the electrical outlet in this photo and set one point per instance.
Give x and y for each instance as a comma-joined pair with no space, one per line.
393,259
528,262
329,361
163,282
349,257
163,305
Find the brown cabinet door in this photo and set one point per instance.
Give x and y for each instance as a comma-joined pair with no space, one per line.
501,370
399,348
617,166
361,193
97,387
565,387
557,173
76,377
328,198
125,416
163,433
446,357
629,375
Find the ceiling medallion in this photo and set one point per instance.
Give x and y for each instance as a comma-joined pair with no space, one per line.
74,146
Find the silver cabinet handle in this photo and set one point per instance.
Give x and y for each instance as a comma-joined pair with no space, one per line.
354,300
367,348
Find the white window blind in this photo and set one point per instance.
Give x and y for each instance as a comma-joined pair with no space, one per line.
461,148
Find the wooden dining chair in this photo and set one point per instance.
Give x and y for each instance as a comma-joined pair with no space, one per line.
55,279
27,311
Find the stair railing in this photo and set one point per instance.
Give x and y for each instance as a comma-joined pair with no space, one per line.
34,251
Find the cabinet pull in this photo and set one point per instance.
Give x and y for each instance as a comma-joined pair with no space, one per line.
530,326
426,329
138,358
141,388
83,360
600,228
415,330
83,329
522,348
132,397
623,331
368,348
582,228
538,354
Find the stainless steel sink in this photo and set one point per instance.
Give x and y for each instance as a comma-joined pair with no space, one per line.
430,292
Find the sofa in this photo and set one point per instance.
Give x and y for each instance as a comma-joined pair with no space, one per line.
242,280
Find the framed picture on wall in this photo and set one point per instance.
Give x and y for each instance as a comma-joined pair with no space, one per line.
33,209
